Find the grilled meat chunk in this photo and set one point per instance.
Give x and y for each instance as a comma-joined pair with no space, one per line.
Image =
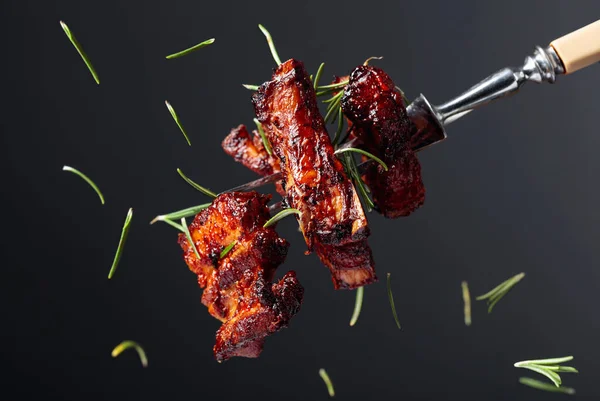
314,179
250,151
375,107
237,288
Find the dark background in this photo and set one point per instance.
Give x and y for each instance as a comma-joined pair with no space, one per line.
513,189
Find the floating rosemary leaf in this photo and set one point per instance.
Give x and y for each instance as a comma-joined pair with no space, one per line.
327,381
119,252
391,298
497,293
173,224
271,44
191,49
250,87
186,231
263,136
284,213
548,367
86,179
200,188
357,305
176,118
226,250
84,56
190,211
365,153
131,344
540,385
318,75
467,300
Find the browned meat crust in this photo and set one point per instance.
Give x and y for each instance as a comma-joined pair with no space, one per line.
237,287
314,179
250,151
375,107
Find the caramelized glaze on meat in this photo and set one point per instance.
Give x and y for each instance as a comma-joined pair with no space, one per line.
250,151
237,288
331,216
375,107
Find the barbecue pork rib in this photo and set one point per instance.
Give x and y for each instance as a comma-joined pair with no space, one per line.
376,110
332,219
250,151
237,288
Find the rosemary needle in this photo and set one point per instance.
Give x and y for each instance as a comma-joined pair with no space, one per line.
190,211
86,179
119,252
357,305
501,290
391,298
540,385
131,344
365,153
186,231
191,49
467,300
271,44
250,87
200,188
226,250
318,75
176,118
284,213
327,381
84,56
263,136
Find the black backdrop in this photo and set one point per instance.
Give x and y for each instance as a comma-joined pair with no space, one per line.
513,189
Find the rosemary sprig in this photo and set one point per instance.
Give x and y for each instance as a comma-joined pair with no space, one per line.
176,225
119,252
497,293
352,171
226,250
336,85
190,211
200,188
191,49
332,108
318,75
340,127
131,344
86,179
186,231
177,121
271,44
391,298
263,136
79,49
365,153
548,367
327,381
467,301
357,305
540,385
250,87
281,215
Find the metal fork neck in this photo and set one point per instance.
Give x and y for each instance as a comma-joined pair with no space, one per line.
542,66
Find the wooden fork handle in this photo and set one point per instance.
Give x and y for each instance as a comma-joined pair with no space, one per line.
579,48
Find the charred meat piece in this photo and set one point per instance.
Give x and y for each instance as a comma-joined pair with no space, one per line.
314,179
250,151
375,107
237,288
